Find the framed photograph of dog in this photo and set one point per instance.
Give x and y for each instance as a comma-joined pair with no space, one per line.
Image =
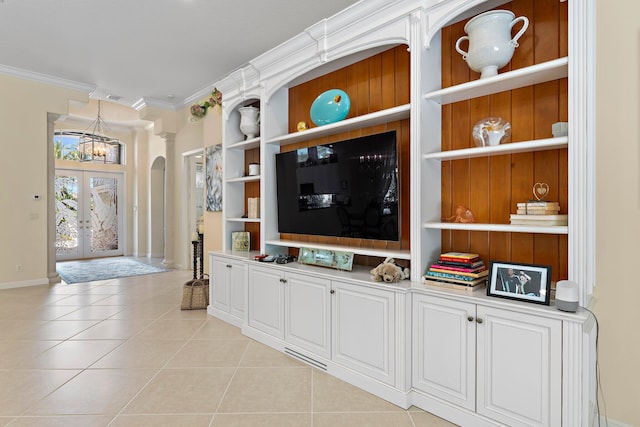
525,282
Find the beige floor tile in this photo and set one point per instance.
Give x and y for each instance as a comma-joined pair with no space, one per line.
94,392
113,329
5,421
177,313
269,390
126,300
93,312
140,353
425,419
141,311
262,420
216,329
45,312
182,391
207,353
71,355
333,395
21,389
59,329
161,421
260,355
62,421
172,329
19,329
80,299
14,353
370,419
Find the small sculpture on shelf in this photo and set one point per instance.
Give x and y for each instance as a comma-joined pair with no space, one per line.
250,121
491,131
463,215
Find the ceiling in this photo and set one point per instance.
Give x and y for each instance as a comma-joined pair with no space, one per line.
161,52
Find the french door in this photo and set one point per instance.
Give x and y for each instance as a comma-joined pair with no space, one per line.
88,214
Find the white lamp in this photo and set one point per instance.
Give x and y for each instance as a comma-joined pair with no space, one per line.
567,295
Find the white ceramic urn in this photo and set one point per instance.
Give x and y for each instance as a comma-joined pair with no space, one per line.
490,44
250,121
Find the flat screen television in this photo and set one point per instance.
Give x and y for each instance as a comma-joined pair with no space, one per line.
347,188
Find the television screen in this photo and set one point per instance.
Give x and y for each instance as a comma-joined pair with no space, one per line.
347,188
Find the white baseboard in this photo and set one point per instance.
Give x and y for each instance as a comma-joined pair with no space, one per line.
608,422
24,283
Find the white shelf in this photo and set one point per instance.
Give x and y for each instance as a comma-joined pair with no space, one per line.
508,228
397,254
248,178
515,147
372,119
245,145
243,219
539,73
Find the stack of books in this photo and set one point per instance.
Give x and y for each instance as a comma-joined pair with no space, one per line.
538,213
458,269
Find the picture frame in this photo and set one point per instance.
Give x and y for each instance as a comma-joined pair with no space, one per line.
213,170
524,282
326,258
240,241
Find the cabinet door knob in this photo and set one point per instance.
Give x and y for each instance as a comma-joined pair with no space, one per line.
470,318
332,291
479,320
228,265
283,280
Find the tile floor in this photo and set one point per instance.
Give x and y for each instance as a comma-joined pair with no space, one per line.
121,353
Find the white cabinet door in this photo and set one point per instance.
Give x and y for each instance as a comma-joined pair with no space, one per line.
307,313
219,284
266,297
237,286
363,330
519,368
444,345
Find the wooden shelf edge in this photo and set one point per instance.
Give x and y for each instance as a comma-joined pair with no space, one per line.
398,254
538,73
512,148
371,119
507,228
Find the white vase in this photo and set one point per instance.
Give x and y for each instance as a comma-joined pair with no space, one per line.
490,44
250,121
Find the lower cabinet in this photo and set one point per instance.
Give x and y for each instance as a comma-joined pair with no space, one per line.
363,330
500,364
291,307
227,288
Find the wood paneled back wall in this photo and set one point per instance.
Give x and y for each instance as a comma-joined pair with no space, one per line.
376,83
491,187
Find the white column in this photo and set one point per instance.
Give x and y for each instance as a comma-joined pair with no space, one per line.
169,201
52,274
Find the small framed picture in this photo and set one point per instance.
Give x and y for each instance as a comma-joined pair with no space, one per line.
525,282
240,241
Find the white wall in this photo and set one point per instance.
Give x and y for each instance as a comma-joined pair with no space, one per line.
618,205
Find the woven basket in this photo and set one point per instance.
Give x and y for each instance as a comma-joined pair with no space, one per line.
195,294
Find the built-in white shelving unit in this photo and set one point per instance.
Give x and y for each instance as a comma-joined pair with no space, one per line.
371,119
513,148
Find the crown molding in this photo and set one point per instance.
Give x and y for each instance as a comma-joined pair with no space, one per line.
46,79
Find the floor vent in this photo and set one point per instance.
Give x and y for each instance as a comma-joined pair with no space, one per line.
305,359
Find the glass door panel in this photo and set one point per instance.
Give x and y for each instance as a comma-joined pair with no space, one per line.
88,214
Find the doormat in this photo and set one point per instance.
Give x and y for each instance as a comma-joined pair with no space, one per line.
103,269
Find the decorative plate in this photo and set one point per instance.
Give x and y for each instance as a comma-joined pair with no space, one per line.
330,107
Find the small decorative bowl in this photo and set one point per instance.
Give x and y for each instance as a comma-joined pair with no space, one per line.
491,131
330,107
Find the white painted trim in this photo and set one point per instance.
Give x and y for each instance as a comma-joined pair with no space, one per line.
46,79
24,283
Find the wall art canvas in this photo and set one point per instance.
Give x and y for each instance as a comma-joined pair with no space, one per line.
213,156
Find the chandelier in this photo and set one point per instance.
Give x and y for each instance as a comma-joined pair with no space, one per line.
95,146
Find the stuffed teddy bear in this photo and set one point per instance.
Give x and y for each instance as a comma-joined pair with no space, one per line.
389,271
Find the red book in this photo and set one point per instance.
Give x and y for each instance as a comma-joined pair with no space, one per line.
460,260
